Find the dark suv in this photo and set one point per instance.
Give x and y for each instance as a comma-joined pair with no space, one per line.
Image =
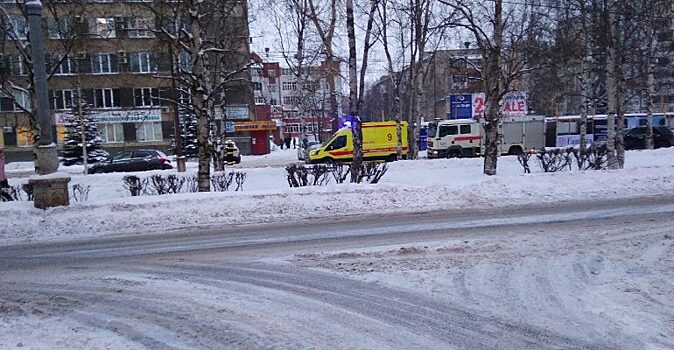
138,160
636,138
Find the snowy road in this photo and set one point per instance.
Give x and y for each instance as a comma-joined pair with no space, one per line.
580,275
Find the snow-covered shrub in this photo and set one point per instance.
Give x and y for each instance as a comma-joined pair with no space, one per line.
300,175
555,159
593,158
221,181
372,171
340,172
135,185
524,158
81,192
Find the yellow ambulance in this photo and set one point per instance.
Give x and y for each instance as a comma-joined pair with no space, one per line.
379,143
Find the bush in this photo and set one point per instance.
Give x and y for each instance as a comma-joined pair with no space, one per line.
300,175
159,184
80,192
558,159
134,184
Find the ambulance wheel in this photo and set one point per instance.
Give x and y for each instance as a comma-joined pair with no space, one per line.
455,153
392,158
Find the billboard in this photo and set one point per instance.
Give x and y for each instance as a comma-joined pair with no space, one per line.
115,117
460,106
513,104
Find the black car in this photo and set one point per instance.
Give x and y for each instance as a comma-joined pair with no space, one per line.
636,138
138,160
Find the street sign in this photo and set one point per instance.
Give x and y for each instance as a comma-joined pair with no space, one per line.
229,126
460,107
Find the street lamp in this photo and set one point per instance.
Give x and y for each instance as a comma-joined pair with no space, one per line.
46,158
48,191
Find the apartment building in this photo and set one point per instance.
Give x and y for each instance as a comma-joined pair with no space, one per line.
108,52
286,96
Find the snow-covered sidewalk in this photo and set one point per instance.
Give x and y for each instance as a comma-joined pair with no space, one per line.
421,185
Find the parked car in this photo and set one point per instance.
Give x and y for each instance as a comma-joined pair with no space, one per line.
138,160
303,153
636,138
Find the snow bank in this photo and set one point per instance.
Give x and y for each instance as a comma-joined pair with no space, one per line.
409,186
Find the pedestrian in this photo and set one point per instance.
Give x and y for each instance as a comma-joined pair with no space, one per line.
4,184
288,142
294,143
281,143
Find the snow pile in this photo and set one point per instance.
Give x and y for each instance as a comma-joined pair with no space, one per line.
408,186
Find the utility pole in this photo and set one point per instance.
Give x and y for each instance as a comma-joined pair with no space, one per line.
46,159
80,101
48,191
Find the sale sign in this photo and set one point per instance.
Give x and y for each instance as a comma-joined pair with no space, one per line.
513,104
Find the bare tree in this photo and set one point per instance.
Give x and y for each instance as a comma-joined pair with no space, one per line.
326,29
218,61
650,15
499,35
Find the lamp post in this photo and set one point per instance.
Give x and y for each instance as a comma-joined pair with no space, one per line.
46,159
52,190
80,112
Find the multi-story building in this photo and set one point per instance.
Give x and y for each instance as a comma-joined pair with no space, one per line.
289,99
305,98
447,72
108,52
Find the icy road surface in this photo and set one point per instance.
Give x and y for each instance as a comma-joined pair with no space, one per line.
581,275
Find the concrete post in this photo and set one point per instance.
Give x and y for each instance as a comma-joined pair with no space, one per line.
50,189
46,159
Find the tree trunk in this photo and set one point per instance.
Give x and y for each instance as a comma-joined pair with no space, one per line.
611,87
650,90
353,96
493,84
621,90
586,65
200,109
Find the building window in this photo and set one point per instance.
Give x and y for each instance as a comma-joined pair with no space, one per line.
103,27
17,29
61,99
140,27
259,100
111,133
63,66
185,61
286,71
290,86
106,98
272,73
16,65
144,62
146,97
104,63
272,88
149,131
60,28
24,138
291,100
21,100
257,86
273,101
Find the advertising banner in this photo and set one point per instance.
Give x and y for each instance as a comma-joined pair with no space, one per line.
115,117
513,104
